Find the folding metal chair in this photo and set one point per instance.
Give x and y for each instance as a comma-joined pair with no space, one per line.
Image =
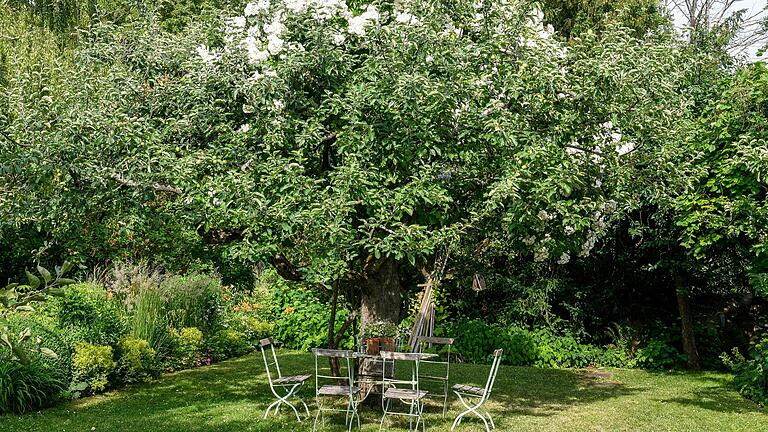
411,396
436,373
347,390
284,388
465,392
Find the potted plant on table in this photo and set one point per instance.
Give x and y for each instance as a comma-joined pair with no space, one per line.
379,336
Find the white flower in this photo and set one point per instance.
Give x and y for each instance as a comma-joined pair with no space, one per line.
326,9
279,105
255,53
270,73
597,183
529,240
338,39
254,8
244,128
568,230
295,46
206,55
429,59
564,259
253,31
625,148
357,25
235,24
274,44
406,18
541,254
276,27
296,6
543,215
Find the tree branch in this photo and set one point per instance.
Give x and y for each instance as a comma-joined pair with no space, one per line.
122,181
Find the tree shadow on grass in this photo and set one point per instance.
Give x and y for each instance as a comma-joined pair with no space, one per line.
233,395
716,395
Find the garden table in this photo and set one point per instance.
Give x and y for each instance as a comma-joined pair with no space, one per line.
368,381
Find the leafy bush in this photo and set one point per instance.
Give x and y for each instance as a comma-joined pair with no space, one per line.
300,317
86,314
28,387
136,361
750,374
564,351
476,340
92,365
658,354
187,349
253,328
227,343
194,300
51,337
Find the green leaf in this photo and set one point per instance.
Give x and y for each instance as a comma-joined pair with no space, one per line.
46,274
34,281
48,353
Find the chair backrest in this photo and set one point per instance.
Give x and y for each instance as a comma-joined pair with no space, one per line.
391,357
347,376
269,344
423,342
493,372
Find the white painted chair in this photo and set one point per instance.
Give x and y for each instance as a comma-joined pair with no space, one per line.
342,387
473,398
283,387
410,395
439,369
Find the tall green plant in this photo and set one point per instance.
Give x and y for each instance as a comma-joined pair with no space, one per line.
149,320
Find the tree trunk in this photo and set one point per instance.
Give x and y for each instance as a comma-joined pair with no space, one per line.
380,295
686,324
380,302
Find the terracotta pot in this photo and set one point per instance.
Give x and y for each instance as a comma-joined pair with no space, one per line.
375,345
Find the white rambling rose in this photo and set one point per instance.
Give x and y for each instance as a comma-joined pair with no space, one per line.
253,8
274,44
206,55
405,17
276,27
338,39
564,259
625,148
296,6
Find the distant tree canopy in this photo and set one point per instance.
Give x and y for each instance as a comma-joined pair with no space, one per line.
573,17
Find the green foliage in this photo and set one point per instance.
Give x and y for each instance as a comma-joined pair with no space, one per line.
136,361
187,349
193,300
16,298
476,341
86,314
750,374
253,328
572,17
149,320
227,343
93,365
301,319
26,387
564,351
658,354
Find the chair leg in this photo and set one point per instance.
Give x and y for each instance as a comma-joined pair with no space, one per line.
445,399
493,426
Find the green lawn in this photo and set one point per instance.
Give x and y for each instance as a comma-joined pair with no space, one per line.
232,396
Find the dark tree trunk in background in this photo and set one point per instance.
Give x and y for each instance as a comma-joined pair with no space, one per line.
686,324
380,295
